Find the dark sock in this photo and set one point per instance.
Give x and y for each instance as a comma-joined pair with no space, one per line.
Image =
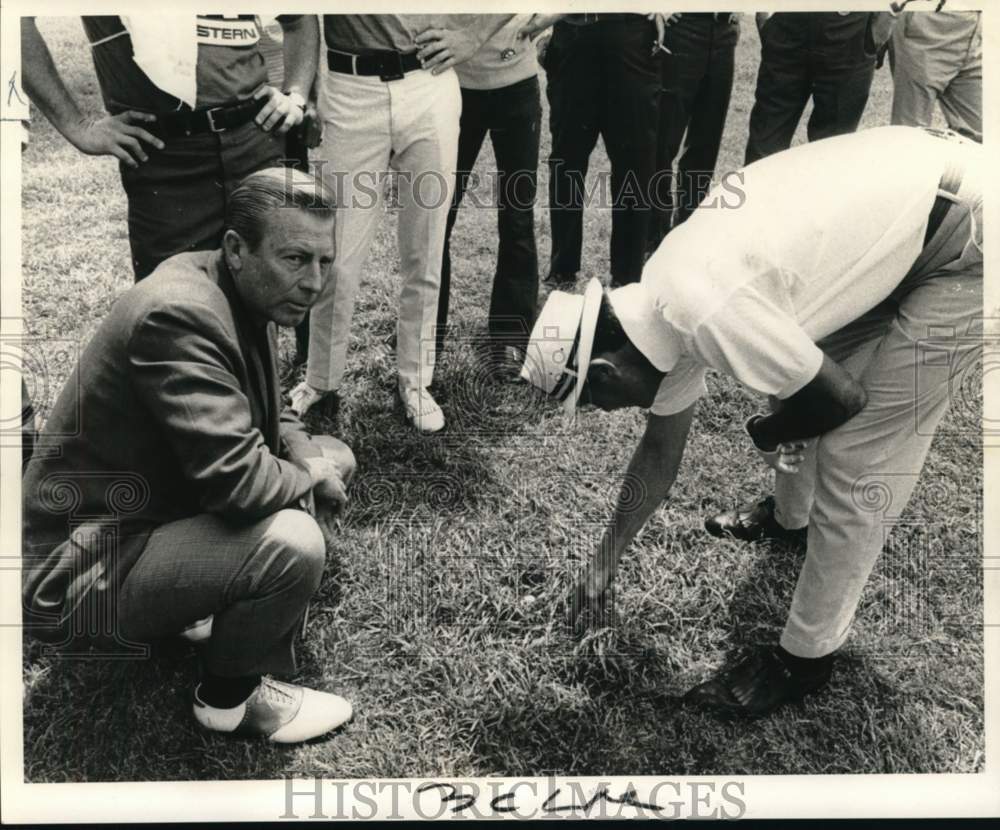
805,666
226,692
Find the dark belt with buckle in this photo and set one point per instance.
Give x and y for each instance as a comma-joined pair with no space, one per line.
209,120
951,181
388,65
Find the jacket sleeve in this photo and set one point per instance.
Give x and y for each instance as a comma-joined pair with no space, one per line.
183,364
296,442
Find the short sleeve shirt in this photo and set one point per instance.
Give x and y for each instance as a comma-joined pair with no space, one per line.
360,33
787,251
230,66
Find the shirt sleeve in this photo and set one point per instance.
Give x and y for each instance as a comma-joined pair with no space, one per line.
756,341
682,386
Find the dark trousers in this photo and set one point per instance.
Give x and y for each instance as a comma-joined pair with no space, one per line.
603,80
177,199
825,55
697,79
512,117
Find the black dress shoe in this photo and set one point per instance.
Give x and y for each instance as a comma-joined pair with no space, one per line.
560,280
759,684
753,522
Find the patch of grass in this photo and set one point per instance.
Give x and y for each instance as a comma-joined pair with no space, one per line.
423,619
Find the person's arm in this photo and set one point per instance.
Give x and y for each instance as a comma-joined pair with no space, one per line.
650,475
830,399
113,135
287,107
441,49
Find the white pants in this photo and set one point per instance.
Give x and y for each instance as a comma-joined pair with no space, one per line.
369,124
909,355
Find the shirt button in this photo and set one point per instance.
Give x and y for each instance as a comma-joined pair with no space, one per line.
507,54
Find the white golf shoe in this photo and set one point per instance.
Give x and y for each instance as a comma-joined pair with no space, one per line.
421,409
281,712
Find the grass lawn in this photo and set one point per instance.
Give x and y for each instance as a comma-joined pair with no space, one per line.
424,619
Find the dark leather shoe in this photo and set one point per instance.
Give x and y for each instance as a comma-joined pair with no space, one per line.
757,685
754,522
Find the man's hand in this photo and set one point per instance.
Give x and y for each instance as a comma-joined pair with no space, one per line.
329,489
591,597
785,458
116,135
281,110
661,22
441,49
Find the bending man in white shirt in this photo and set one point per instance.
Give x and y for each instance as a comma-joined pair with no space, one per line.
845,261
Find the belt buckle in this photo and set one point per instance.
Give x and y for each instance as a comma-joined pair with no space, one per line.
395,71
211,120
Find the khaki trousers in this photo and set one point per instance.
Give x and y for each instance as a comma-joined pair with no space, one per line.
909,354
937,57
369,124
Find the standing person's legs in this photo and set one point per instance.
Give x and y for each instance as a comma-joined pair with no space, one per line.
471,133
352,160
425,123
839,98
629,118
574,83
696,166
515,132
783,88
177,199
962,100
682,72
913,94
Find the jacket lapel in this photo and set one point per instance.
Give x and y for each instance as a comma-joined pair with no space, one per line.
258,348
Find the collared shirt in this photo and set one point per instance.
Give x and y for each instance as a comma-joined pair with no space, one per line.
810,240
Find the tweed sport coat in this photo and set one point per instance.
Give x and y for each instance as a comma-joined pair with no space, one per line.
172,410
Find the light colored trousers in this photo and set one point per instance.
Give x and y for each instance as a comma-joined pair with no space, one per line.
938,57
369,124
909,354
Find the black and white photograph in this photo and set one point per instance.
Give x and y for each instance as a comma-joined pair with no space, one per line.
521,413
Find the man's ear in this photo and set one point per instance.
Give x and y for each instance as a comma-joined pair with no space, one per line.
601,370
234,248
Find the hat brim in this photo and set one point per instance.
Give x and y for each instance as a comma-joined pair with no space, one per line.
588,327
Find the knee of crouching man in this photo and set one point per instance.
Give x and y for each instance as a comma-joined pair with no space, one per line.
302,541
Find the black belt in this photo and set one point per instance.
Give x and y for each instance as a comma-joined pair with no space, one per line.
951,181
209,120
388,65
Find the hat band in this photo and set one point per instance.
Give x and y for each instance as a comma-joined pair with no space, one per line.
565,384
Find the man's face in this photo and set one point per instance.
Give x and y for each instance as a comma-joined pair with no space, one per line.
285,275
615,380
